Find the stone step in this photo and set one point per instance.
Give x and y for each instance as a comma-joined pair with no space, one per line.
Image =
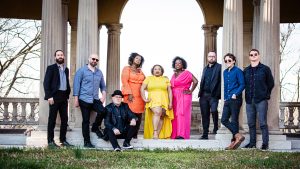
215,142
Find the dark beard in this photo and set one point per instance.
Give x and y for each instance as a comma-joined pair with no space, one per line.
60,61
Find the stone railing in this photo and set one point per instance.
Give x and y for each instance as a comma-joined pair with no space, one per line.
289,118
19,111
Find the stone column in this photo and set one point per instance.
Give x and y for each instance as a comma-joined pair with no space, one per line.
210,40
232,40
233,29
64,25
256,24
87,35
269,51
113,59
51,40
87,39
72,114
65,17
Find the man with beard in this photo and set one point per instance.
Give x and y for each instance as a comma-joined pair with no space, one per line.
87,82
210,93
57,91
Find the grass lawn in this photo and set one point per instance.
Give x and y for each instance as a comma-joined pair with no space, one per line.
83,158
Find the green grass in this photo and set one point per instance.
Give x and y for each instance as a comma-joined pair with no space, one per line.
82,158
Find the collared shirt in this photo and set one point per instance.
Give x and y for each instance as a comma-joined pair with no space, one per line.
87,84
120,122
207,78
62,78
252,78
234,82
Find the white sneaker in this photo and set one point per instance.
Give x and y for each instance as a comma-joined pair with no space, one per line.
117,149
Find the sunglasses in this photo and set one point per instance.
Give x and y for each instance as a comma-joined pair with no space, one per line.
251,55
94,59
228,60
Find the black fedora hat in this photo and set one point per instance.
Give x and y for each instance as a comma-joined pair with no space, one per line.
117,92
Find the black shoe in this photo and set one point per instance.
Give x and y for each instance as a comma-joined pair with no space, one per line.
66,144
214,132
52,144
264,147
179,138
249,146
118,149
204,138
99,134
95,129
88,145
127,145
105,137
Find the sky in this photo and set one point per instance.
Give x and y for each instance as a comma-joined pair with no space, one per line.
159,30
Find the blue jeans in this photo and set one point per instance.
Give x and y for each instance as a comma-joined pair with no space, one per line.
252,110
231,109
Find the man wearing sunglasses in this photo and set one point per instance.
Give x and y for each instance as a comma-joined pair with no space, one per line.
259,84
87,82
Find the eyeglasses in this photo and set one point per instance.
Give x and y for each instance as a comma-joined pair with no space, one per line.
94,59
255,54
228,60
211,56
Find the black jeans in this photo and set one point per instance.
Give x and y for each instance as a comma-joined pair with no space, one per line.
209,105
138,124
231,109
62,108
127,135
86,109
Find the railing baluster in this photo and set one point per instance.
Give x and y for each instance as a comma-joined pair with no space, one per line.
23,113
15,112
5,113
298,125
281,117
31,117
291,116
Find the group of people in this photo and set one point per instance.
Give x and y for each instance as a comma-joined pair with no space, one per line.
168,103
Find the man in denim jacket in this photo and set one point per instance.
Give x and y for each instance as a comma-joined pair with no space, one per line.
259,84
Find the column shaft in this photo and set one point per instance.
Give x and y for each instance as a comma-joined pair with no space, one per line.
113,59
87,34
233,29
256,24
51,40
210,39
269,51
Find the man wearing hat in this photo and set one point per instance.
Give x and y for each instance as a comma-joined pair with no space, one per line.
120,122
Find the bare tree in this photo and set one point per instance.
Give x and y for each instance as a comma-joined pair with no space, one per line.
289,62
19,53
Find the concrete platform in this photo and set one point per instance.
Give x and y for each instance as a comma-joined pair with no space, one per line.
215,142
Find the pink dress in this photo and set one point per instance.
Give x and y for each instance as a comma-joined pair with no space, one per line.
182,105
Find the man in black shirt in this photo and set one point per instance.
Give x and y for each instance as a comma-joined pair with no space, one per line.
120,122
210,93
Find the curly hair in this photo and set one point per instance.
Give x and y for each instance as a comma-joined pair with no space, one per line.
132,57
162,69
184,64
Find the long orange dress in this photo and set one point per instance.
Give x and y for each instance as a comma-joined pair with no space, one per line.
131,84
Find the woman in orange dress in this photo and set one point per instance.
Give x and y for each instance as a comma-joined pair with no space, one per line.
132,79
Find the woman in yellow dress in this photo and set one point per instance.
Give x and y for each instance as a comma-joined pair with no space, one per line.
158,113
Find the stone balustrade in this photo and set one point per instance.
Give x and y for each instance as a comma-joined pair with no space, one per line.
289,117
24,111
19,111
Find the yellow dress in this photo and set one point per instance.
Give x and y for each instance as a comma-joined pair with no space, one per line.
158,95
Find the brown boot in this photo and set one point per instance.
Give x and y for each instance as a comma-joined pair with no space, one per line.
230,147
239,138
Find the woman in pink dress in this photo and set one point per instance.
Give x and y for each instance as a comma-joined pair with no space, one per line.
182,98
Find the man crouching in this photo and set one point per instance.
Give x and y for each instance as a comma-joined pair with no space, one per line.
120,122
